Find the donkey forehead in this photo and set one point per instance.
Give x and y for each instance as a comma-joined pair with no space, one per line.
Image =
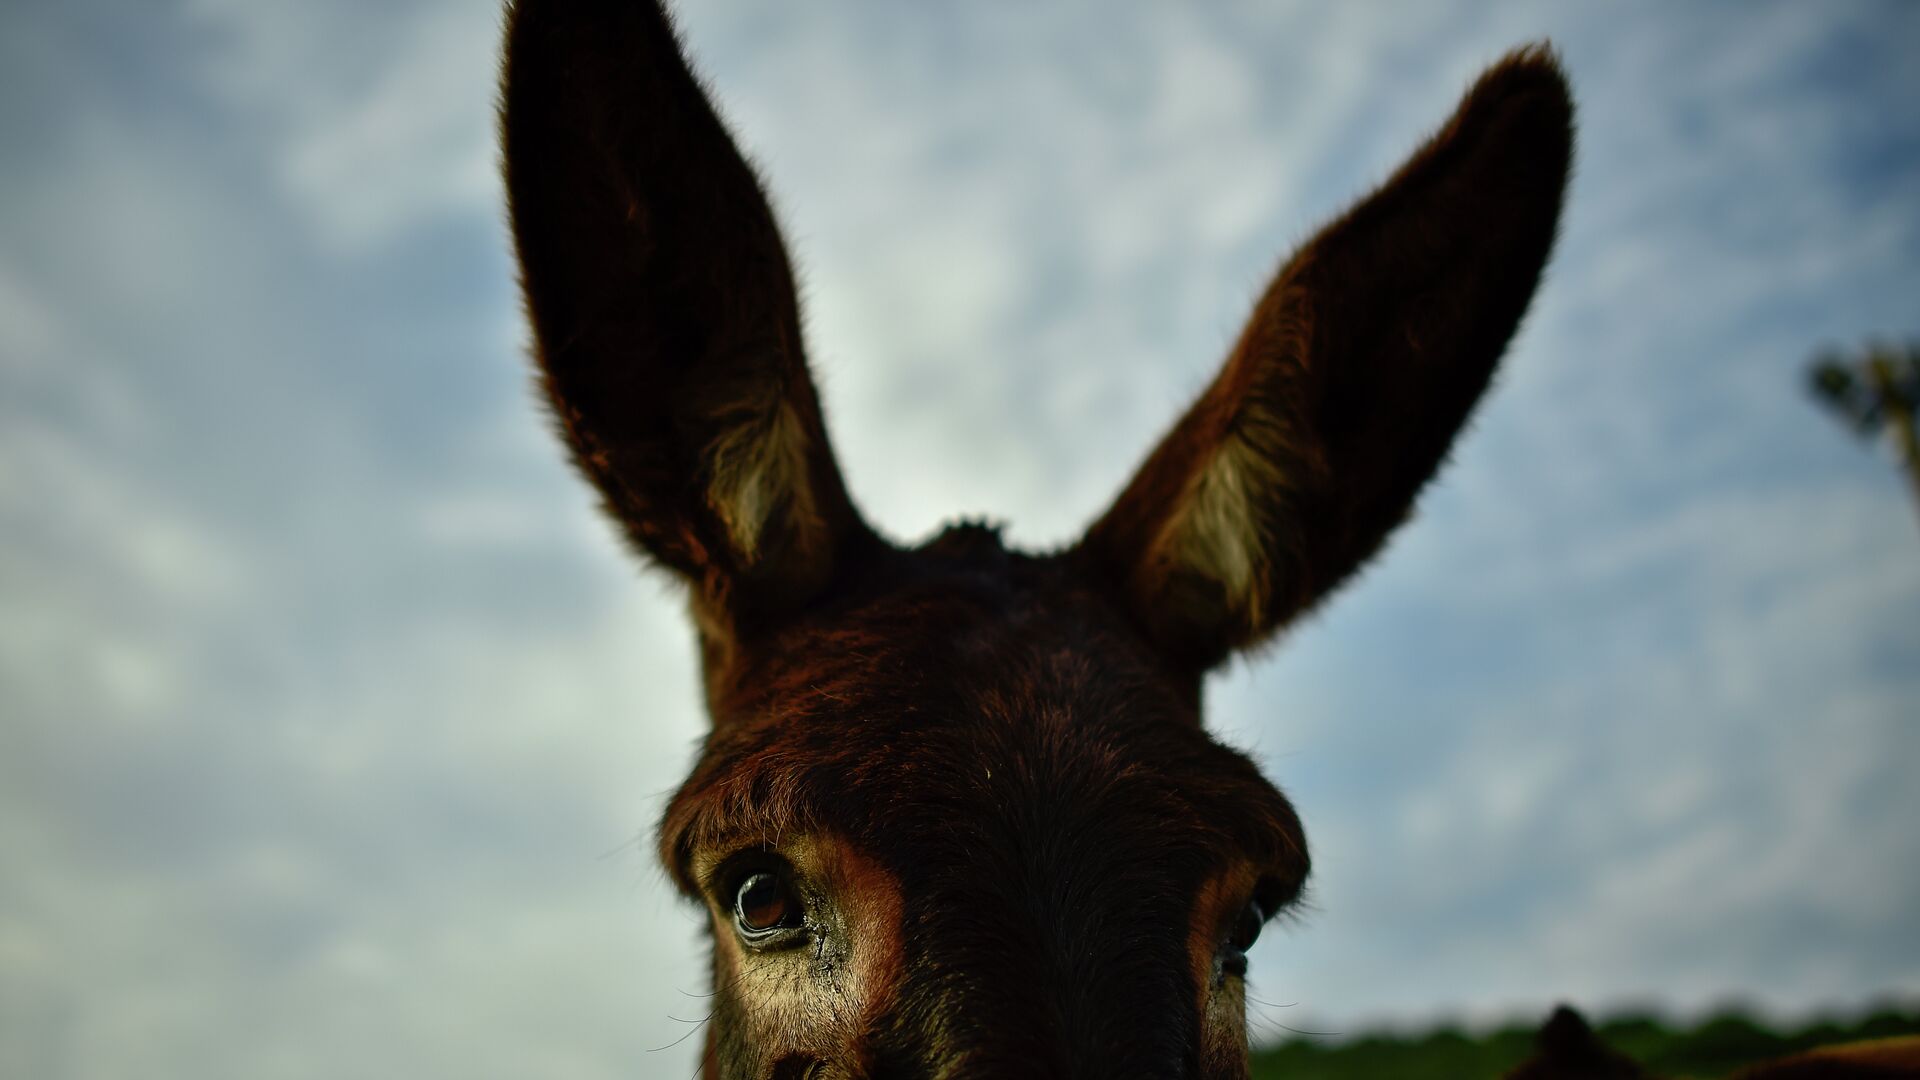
975,707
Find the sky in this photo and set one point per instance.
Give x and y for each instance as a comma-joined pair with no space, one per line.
333,722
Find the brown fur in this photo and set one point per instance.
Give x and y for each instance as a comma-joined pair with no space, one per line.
1873,1059
985,771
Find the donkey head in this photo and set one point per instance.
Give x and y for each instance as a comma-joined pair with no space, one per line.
957,814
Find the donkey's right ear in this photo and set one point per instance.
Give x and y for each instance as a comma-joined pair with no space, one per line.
664,312
1348,384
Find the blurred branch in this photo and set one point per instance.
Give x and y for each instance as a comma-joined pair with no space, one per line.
1877,390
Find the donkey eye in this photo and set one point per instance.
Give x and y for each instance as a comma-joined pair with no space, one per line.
1245,931
763,905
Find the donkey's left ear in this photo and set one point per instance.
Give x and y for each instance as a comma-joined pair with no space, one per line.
1350,381
664,312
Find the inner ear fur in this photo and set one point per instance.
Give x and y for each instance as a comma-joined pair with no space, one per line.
664,314
1358,367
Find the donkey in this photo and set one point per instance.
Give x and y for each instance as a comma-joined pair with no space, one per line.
957,814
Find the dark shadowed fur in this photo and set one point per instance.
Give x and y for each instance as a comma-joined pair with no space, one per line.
1004,842
1567,1049
1414,292
987,725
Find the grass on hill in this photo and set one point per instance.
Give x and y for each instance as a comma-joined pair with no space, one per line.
1712,1047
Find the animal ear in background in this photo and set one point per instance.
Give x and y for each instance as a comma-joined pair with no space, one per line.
1348,384
1566,1048
664,312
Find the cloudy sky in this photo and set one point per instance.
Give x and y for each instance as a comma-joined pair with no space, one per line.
330,714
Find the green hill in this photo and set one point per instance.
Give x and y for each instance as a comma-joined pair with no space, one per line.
1713,1047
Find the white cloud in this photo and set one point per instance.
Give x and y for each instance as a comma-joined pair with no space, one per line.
377,121
415,145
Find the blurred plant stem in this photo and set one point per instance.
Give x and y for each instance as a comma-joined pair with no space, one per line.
1875,391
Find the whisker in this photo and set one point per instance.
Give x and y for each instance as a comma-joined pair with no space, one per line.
697,1025
1276,1025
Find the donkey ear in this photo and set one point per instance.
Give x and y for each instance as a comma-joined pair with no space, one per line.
1357,369
663,310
